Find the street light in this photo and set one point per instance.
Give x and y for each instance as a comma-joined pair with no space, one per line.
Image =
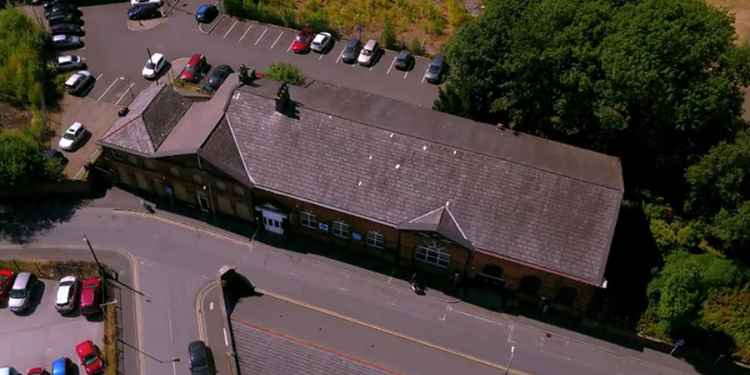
510,360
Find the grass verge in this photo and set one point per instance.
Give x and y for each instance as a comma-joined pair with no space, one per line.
111,327
53,270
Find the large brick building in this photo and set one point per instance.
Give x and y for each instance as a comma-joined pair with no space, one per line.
375,175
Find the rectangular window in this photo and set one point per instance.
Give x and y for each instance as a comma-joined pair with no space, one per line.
375,239
435,256
340,229
307,219
175,171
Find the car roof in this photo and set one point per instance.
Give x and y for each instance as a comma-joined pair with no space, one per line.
195,58
319,38
74,127
5,271
403,53
203,7
22,279
58,365
65,59
352,42
438,60
84,347
59,37
371,44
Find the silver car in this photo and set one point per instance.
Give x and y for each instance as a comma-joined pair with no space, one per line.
19,297
434,73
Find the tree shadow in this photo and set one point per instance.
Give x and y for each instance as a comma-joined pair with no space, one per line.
24,219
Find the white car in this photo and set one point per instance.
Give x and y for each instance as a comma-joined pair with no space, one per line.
368,54
154,65
19,296
78,82
67,292
9,371
141,2
72,136
321,42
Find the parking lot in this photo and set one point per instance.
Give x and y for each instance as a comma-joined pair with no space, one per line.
36,339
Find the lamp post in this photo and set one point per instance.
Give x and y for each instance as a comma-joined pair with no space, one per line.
510,360
93,253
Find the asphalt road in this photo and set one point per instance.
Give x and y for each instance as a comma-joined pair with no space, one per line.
175,261
115,54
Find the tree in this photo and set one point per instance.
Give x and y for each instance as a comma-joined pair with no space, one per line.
655,82
21,160
457,13
728,311
285,72
388,36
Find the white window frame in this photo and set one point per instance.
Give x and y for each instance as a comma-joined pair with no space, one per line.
340,229
308,220
375,239
433,254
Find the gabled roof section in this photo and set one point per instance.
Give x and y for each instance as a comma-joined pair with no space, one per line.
221,151
163,113
441,221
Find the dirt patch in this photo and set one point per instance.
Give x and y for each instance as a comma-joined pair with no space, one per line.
13,118
741,11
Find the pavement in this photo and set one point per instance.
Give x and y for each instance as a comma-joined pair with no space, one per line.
175,258
43,335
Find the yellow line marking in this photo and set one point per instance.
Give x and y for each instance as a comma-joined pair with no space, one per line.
200,314
393,333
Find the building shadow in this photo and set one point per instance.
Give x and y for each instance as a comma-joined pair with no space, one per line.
23,219
236,286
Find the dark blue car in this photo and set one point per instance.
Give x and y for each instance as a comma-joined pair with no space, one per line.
206,13
144,12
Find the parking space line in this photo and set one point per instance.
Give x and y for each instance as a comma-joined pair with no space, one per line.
424,76
109,87
99,76
406,74
277,40
245,33
321,56
290,46
125,92
340,55
260,37
391,67
230,29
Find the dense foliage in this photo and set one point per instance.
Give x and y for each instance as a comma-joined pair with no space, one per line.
285,72
657,83
22,161
21,63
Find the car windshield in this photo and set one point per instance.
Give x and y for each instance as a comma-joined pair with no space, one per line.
69,136
366,52
17,293
150,65
89,359
434,68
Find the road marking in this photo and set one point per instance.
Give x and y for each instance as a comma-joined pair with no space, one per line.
510,334
260,37
386,331
277,40
321,57
138,311
199,301
211,306
486,320
230,29
424,76
99,76
218,22
226,338
391,67
340,55
125,92
245,33
406,75
109,87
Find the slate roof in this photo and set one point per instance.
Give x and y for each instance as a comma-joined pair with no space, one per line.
533,201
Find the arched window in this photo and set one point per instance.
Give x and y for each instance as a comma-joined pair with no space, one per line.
566,296
493,270
530,285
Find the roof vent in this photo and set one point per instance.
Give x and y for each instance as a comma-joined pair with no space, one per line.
369,157
398,166
359,183
455,152
390,136
424,148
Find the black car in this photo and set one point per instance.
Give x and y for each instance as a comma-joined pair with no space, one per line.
217,77
144,12
66,28
404,60
61,18
200,359
351,52
53,3
206,13
61,9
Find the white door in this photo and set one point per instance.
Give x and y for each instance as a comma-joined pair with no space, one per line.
272,221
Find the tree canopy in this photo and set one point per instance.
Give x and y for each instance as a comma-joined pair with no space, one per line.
21,60
655,82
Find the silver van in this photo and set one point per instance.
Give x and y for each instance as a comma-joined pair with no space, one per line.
19,297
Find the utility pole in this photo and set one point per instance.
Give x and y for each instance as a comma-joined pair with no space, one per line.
510,360
93,253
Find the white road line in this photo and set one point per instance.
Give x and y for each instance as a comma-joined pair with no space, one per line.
406,75
109,87
211,306
125,92
245,33
230,29
490,321
226,338
424,76
391,67
290,46
321,56
277,40
99,76
340,55
260,37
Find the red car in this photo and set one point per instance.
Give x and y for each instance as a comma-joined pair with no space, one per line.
6,280
194,69
302,41
37,371
88,354
91,296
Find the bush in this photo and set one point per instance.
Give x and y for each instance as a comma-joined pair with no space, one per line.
728,311
388,36
285,72
416,47
457,13
21,59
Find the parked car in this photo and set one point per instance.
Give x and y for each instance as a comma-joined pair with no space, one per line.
67,288
61,18
217,77
322,42
63,41
91,296
434,72
88,354
206,13
67,28
404,60
154,65
195,68
47,5
302,41
144,12
61,8
200,359
69,62
6,280
368,54
62,366
19,297
72,137
9,371
37,371
351,51
78,82
143,2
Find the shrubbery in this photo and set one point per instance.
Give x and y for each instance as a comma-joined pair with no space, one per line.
285,73
22,68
